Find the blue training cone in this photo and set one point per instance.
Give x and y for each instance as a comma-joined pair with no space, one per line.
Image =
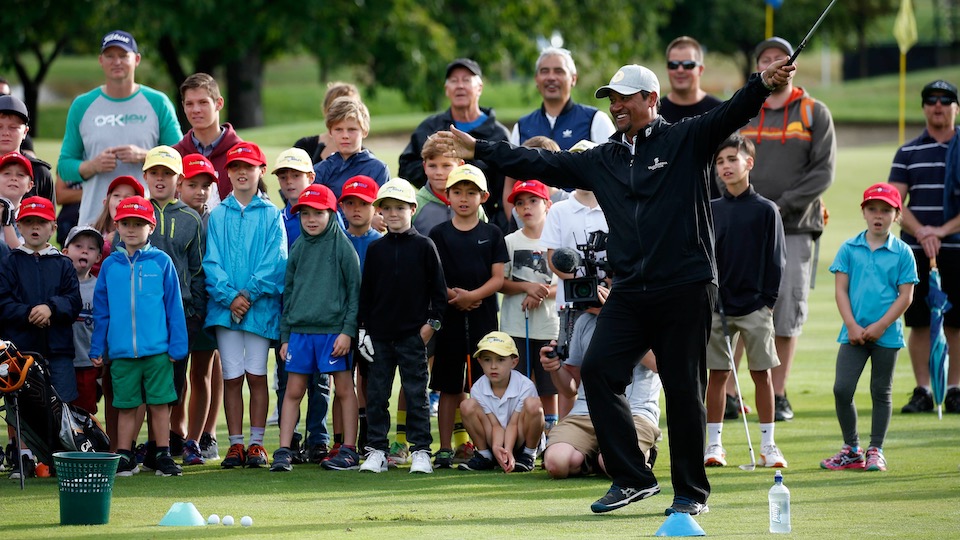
680,524
182,514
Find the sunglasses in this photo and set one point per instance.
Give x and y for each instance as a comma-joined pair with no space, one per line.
687,64
943,100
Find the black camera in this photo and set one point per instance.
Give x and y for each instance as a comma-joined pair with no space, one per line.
582,291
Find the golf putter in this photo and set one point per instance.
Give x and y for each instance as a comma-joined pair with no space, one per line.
816,25
736,380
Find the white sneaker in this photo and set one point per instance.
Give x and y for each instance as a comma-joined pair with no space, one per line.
771,456
376,462
420,462
715,456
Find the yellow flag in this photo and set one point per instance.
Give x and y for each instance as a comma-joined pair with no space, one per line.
905,27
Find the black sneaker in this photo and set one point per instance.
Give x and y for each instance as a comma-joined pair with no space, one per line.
149,456
297,453
166,466
282,461
732,409
782,410
346,459
317,452
176,444
26,467
951,402
209,449
921,401
618,497
523,462
127,466
477,463
443,459
683,505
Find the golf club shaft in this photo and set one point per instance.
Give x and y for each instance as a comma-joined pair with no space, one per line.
736,381
810,33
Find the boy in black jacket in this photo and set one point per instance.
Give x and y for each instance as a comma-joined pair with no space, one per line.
402,299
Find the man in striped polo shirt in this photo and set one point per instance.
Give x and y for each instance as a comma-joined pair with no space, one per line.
931,225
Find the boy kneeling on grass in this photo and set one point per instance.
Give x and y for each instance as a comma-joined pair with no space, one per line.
503,416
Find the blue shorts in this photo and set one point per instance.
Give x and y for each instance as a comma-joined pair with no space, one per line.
312,353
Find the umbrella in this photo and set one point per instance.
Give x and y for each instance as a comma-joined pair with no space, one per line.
939,359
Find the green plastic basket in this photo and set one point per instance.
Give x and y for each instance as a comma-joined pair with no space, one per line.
86,486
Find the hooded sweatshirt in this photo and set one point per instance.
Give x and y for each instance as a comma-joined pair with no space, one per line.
796,159
321,291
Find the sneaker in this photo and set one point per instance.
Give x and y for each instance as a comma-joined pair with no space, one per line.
191,453
167,467
376,461
316,453
443,459
782,411
333,452
281,461
420,462
398,454
478,463
43,470
149,456
618,497
771,456
256,456
434,403
847,458
951,403
298,453
463,453
209,449
921,401
874,462
236,456
683,505
346,459
26,467
731,410
715,456
127,466
523,462
176,444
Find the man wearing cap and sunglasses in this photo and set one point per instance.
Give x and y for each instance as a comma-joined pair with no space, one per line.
110,128
463,87
926,170
651,180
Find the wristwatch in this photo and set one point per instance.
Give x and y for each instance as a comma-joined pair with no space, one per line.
434,323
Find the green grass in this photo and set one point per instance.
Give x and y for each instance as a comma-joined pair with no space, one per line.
917,498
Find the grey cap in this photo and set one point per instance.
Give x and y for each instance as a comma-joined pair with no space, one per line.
773,43
12,104
629,80
84,229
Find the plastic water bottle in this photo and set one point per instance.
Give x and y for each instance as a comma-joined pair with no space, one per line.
779,498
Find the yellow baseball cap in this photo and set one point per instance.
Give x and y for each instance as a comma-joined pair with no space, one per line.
293,158
399,189
498,343
467,173
166,156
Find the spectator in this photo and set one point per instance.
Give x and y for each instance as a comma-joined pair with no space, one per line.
684,68
319,147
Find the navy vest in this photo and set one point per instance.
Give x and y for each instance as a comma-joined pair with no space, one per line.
572,126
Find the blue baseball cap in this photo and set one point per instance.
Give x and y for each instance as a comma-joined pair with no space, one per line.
119,38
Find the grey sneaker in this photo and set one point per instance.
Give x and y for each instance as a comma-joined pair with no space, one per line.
683,505
346,459
209,449
281,460
618,497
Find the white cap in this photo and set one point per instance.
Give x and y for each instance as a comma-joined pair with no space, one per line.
629,80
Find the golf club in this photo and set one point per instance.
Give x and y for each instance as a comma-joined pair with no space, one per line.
736,380
816,25
526,324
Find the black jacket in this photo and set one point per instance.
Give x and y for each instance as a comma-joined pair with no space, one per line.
42,180
656,201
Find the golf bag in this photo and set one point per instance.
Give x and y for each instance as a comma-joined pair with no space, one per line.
47,424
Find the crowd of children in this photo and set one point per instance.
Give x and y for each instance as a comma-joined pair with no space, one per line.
160,277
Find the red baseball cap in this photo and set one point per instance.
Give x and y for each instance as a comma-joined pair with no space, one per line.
246,152
128,180
534,187
17,157
362,187
883,192
316,196
37,206
136,207
194,164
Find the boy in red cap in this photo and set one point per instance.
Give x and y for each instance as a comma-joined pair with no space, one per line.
244,264
876,273
16,179
138,318
40,299
319,322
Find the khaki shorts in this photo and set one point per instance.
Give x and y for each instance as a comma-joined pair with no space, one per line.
578,432
756,331
790,312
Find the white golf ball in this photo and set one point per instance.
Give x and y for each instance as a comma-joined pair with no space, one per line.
246,521
228,520
213,519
